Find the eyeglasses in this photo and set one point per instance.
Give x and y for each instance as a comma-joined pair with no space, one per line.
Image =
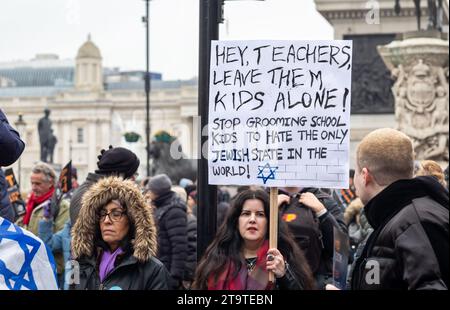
114,215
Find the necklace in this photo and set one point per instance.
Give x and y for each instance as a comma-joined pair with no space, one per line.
251,263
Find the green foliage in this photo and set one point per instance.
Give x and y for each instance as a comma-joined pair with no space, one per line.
131,136
164,136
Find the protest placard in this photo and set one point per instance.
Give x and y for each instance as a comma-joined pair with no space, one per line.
340,258
65,178
279,113
14,193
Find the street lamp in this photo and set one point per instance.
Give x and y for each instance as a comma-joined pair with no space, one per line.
20,126
221,4
211,12
70,149
145,19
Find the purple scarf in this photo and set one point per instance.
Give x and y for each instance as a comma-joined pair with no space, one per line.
107,262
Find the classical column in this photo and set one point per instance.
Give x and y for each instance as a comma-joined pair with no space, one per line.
91,141
65,141
419,65
105,134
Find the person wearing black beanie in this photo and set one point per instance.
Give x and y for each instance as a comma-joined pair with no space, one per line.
117,161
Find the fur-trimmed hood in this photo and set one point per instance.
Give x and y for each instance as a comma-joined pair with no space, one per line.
139,213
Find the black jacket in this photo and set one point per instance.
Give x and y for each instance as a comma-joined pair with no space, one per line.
334,217
6,210
289,281
129,274
11,146
191,259
409,246
171,220
77,196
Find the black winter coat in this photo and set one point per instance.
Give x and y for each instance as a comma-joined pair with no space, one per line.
11,146
171,220
409,247
289,281
191,259
129,274
334,217
77,196
137,267
6,210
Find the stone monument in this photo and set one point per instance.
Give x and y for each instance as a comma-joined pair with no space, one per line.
162,150
371,23
435,13
419,65
51,146
46,137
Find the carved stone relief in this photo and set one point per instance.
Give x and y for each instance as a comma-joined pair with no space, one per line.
421,107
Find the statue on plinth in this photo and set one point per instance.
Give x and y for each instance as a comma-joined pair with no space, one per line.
435,13
47,139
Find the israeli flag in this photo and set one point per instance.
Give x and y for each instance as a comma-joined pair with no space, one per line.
25,261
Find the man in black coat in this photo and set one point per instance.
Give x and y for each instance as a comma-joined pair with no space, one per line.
11,146
171,219
409,247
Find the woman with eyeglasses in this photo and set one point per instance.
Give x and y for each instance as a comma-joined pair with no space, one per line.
114,240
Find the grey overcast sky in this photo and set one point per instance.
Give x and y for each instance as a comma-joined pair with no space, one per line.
29,27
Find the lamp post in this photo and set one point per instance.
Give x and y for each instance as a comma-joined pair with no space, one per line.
207,194
145,19
21,126
70,149
211,14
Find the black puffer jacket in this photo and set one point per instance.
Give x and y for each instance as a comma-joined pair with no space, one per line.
191,260
409,246
137,268
171,218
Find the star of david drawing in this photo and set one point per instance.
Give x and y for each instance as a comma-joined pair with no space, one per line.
270,175
30,247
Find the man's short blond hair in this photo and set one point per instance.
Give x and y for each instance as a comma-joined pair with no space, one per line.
388,155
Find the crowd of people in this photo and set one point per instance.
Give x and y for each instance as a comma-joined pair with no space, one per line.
116,232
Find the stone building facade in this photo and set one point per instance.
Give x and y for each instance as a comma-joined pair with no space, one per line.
92,107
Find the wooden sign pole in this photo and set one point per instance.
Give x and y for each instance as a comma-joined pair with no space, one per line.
273,224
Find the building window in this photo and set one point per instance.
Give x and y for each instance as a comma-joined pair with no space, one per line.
80,135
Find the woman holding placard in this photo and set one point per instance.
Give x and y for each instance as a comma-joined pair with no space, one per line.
239,257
